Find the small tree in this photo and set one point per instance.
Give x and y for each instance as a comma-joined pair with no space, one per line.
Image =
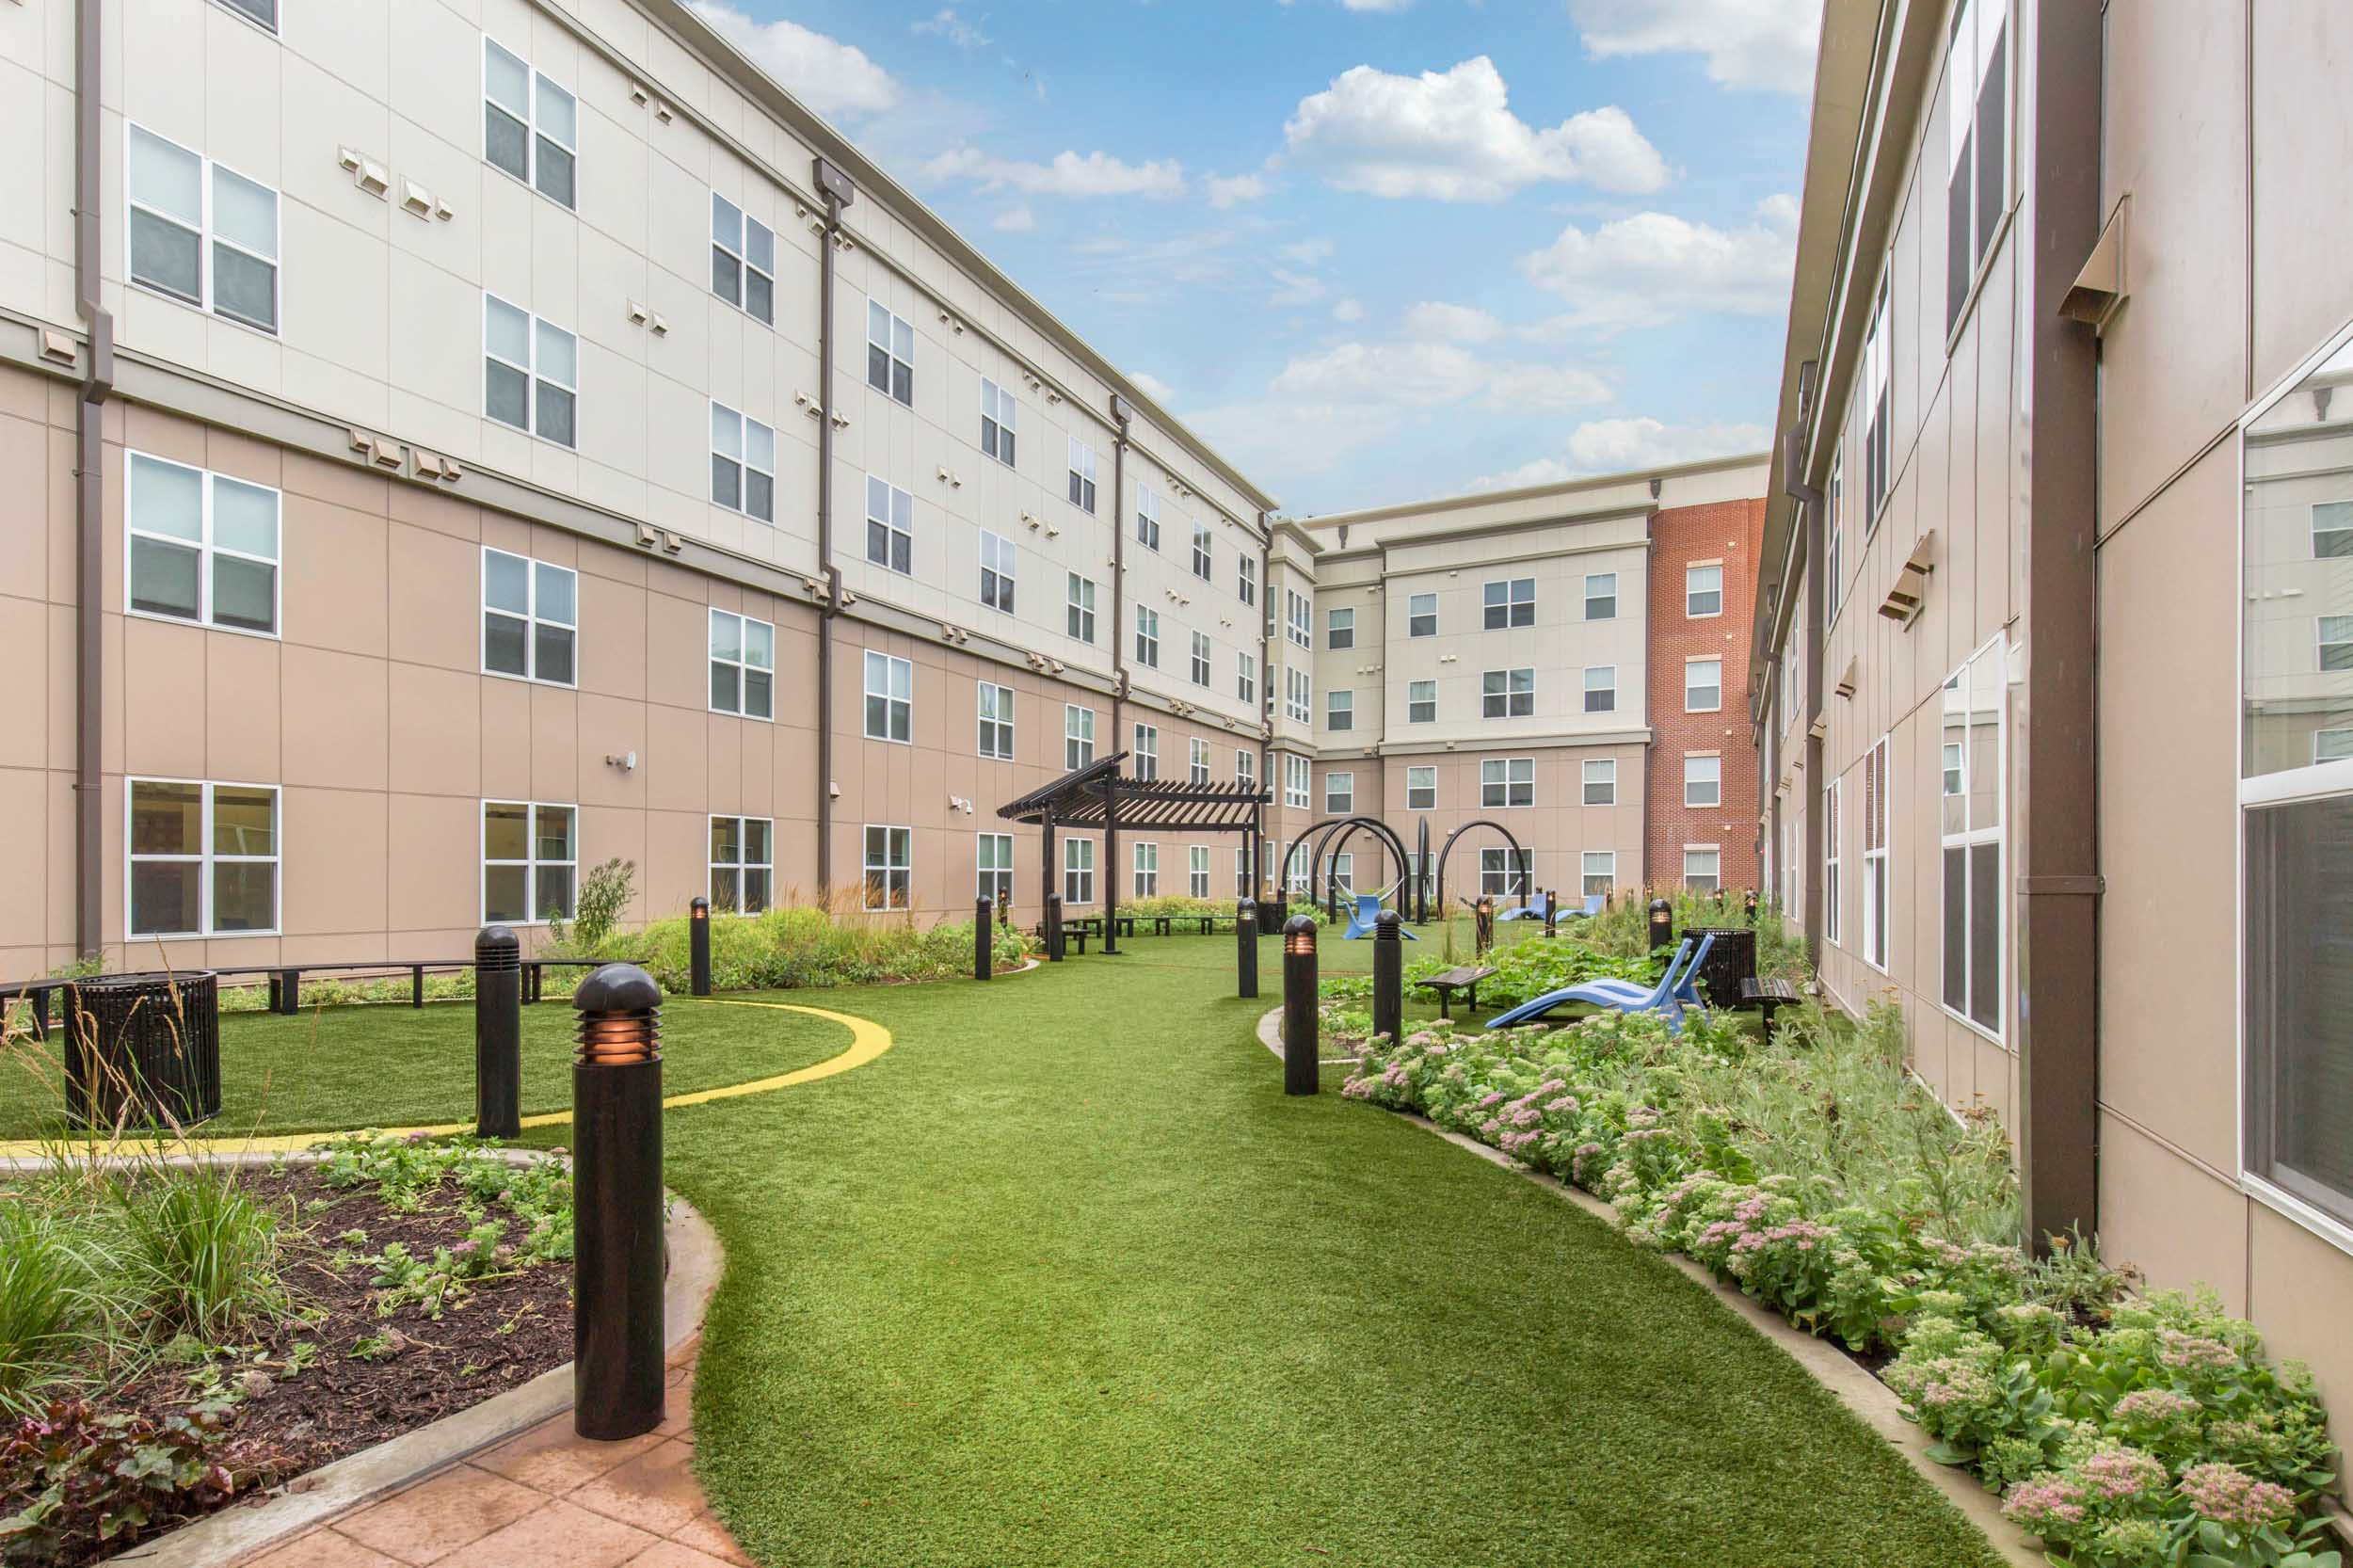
605,894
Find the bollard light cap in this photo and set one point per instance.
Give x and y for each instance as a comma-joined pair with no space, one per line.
496,939
700,908
1388,922
617,988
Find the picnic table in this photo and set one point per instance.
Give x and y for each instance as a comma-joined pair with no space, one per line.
1446,981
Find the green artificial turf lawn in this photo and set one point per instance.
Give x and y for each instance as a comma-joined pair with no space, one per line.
402,1067
1065,1278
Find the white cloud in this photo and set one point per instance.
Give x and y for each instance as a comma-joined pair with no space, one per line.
1067,174
1015,220
1521,386
1650,267
1152,387
1348,309
1306,252
1451,323
1625,445
1452,136
954,28
1543,471
1752,43
831,78
1429,375
1227,191
1293,289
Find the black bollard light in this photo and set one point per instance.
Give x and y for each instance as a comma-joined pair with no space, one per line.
1662,925
618,1259
1748,905
698,947
1053,928
1552,913
498,1034
984,954
1483,925
1246,946
1388,976
1299,1044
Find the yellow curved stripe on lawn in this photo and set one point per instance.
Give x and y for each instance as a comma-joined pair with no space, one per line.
868,1040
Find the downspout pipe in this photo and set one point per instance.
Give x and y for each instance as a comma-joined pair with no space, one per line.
97,374
838,191
1121,414
1809,498
1259,871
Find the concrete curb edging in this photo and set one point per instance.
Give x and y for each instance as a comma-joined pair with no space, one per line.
234,1533
1867,1399
1270,1036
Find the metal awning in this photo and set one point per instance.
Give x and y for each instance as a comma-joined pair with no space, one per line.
1096,796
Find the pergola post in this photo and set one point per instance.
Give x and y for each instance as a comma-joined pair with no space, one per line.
1111,866
1051,885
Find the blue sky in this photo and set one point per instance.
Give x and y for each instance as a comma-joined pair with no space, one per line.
1372,249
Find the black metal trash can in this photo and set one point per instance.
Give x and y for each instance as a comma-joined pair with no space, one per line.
1730,960
1271,914
142,1049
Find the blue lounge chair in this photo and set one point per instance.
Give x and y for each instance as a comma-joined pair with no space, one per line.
1674,992
1534,910
1360,918
1594,902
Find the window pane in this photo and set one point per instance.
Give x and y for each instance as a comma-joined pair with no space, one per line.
760,693
2299,999
760,497
727,431
506,582
554,832
165,255
725,896
727,635
245,517
1956,904
726,276
726,846
167,178
162,578
555,414
556,585
166,819
554,885
166,498
556,172
506,79
755,891
727,480
245,288
759,645
506,330
1985,933
726,688
502,644
760,297
505,141
551,647
506,394
760,245
245,594
757,834
166,897
556,113
245,214
245,895
505,831
503,891
559,355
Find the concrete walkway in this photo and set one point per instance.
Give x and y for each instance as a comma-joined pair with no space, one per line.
542,1499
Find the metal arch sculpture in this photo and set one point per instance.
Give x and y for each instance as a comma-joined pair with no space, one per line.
1322,832
1332,879
1519,856
1421,875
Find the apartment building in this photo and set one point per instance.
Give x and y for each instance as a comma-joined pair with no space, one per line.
457,445
1551,661
2052,680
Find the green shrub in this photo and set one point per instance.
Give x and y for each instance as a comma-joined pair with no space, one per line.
604,895
797,947
45,1290
200,1254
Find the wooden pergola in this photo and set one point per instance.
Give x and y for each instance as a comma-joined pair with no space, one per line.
1097,798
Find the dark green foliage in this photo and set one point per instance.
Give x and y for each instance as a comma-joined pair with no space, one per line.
69,1476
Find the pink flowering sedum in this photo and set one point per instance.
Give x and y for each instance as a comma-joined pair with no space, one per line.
2229,1495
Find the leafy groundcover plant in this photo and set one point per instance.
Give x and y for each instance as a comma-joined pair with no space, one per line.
1820,1177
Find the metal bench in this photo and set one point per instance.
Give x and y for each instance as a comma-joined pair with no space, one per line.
1768,997
1446,981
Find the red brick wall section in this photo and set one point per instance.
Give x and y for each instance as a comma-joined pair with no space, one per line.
1730,532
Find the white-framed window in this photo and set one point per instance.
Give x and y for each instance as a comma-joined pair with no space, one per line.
743,864
202,858
889,353
1878,430
1703,779
262,13
1340,628
996,719
742,666
1148,624
1082,476
1339,711
1078,871
1507,782
1297,694
1246,577
1297,619
1501,874
1200,658
1246,677
2335,745
530,618
1977,189
1703,868
1601,596
530,861
1507,694
1969,822
1080,608
1835,528
1204,559
1295,780
743,260
1147,517
1421,615
1703,685
1509,603
992,870
1295,870
200,231
1197,761
998,564
890,526
1147,751
1147,861
890,698
1703,591
1000,421
1339,792
1597,870
2334,635
742,464
1241,872
1601,688
529,125
1832,861
1875,861
2332,528
1421,703
1078,737
529,373
1246,768
200,546
1197,871
890,867
1421,789
1600,781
